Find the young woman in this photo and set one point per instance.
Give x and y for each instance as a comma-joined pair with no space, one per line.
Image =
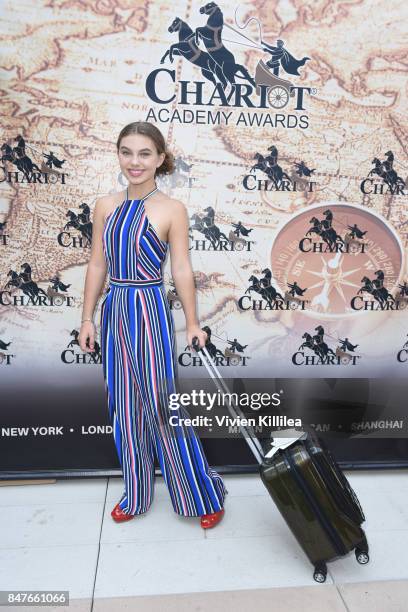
132,231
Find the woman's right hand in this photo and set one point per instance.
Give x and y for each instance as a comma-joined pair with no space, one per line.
87,332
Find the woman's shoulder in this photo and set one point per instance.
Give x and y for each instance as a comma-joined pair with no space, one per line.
111,198
175,206
105,204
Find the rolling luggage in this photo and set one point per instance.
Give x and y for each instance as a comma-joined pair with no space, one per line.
308,487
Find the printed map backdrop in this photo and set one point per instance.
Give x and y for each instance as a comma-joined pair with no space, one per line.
73,74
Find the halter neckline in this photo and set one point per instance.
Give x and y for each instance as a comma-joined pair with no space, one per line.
144,197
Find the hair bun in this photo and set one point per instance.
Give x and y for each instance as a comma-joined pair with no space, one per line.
168,166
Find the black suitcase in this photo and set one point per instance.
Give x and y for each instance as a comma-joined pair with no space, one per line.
309,488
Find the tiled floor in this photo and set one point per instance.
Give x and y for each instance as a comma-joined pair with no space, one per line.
60,536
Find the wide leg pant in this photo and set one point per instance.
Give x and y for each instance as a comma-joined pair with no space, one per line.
138,358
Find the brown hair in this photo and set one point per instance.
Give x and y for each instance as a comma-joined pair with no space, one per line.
150,130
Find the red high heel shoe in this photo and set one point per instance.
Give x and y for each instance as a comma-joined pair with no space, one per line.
119,516
210,520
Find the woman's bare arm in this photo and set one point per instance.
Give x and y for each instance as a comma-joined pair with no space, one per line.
181,270
95,276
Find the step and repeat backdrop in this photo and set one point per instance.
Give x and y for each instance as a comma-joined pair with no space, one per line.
287,121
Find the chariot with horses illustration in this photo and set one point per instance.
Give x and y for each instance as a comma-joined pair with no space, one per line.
231,353
204,224
4,347
279,90
238,243
353,244
218,64
56,297
316,343
235,235
172,295
345,358
344,350
294,296
353,237
264,287
24,282
292,300
173,298
376,288
19,157
53,290
403,291
385,170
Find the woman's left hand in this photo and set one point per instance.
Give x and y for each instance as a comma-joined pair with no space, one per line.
195,330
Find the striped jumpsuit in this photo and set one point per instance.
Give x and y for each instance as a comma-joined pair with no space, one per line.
138,360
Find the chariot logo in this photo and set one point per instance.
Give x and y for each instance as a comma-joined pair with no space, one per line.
232,353
181,177
402,355
26,165
381,298
5,356
278,177
329,240
32,294
173,298
204,47
3,235
315,351
212,238
270,297
74,356
388,181
82,224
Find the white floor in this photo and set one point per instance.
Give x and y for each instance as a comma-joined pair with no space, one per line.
60,536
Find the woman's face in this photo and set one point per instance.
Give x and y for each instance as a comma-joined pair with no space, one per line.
138,158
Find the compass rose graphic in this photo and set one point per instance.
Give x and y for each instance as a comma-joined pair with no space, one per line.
333,278
330,278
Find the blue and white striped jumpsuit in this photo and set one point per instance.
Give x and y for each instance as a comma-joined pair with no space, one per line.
138,359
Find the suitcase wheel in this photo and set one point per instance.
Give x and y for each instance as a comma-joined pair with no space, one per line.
362,556
361,551
320,573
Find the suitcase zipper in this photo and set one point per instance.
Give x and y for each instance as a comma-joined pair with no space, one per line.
331,532
346,502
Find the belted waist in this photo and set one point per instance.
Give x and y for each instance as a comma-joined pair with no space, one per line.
136,282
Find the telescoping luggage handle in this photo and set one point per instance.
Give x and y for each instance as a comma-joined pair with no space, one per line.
221,385
246,430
